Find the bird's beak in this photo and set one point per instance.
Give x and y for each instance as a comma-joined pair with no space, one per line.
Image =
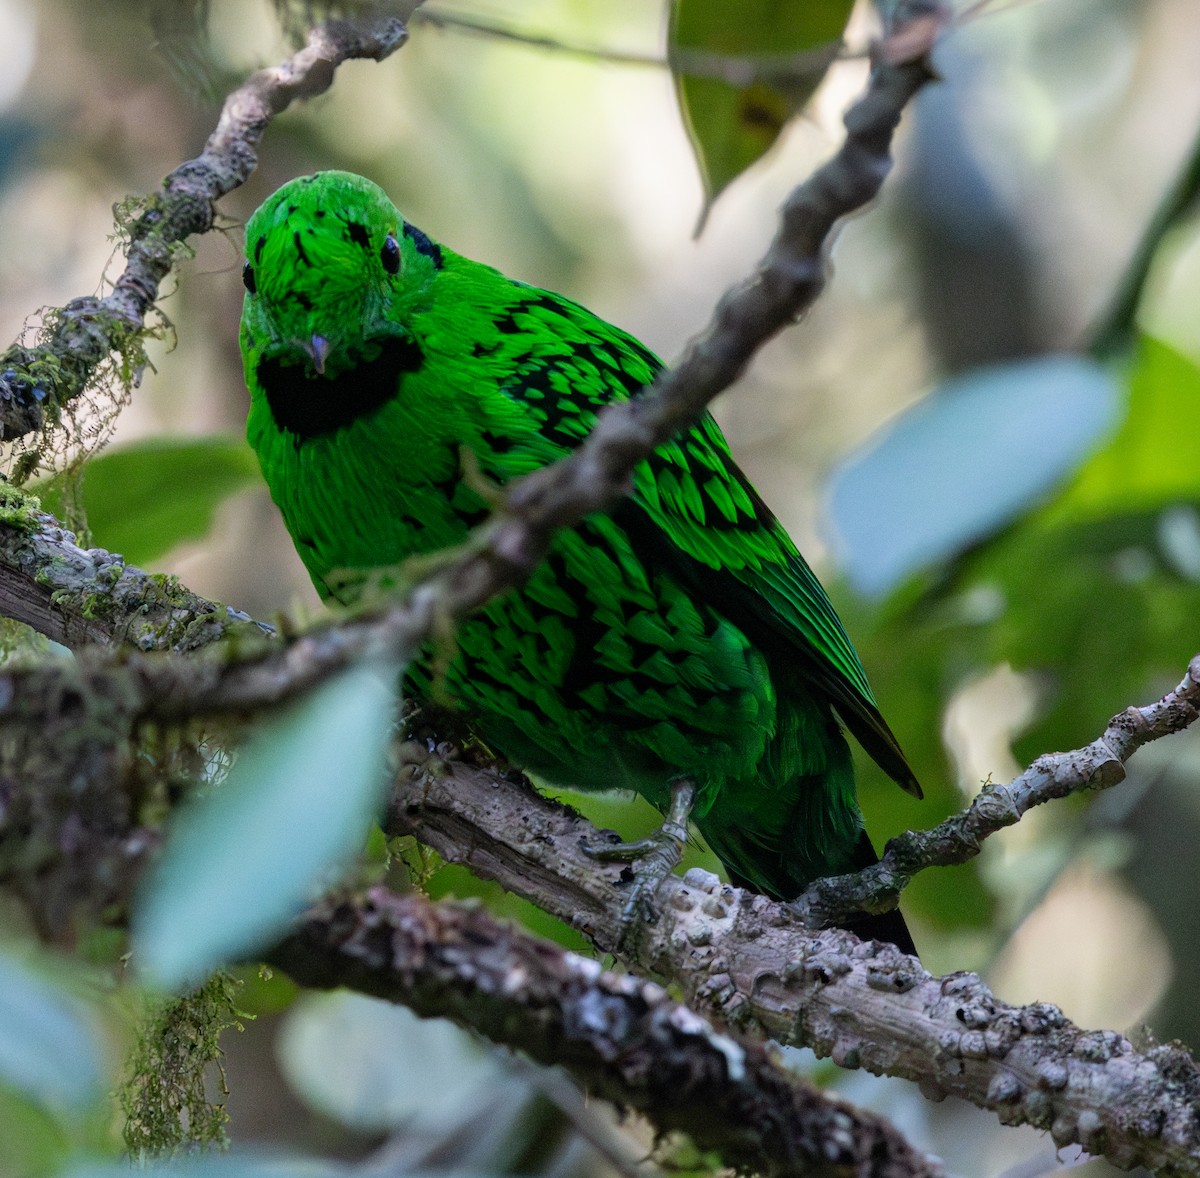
318,348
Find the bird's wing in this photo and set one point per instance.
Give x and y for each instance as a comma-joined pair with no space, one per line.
694,512
698,514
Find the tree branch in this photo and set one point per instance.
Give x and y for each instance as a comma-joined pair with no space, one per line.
750,960
37,383
90,597
756,963
959,838
618,1036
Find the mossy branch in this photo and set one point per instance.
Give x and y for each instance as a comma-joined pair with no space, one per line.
752,961
38,383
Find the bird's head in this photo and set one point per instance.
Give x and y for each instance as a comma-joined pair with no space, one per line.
332,273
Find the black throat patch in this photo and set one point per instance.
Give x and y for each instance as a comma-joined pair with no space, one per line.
309,406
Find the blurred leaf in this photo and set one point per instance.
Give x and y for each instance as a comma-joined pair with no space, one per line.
144,499
1152,459
242,860
372,1065
32,1142
1096,585
778,51
47,1049
963,462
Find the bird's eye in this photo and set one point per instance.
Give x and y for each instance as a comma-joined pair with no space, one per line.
389,255
248,278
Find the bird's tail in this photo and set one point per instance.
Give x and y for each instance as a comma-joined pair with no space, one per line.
883,926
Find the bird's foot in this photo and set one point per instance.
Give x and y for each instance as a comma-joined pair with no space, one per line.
656,857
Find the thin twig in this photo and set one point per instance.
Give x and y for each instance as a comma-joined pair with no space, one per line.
37,383
736,69
959,838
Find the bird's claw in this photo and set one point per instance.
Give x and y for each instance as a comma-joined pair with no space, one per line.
415,756
656,857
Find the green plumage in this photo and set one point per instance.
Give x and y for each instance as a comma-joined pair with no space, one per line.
682,635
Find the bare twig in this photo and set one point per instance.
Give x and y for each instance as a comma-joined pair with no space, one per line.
735,69
959,838
37,383
619,1036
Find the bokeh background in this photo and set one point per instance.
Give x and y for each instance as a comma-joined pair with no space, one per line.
986,437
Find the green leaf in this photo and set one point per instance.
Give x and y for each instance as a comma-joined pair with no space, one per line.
33,1142
965,461
772,55
144,499
48,1050
1151,460
242,860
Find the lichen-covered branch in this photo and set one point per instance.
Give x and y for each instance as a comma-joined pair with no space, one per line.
620,1037
36,383
754,962
786,282
85,597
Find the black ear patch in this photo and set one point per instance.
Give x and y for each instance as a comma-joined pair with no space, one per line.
424,246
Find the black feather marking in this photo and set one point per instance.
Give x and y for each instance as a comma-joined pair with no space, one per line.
258,248
472,517
357,233
309,406
300,248
424,245
786,648
500,443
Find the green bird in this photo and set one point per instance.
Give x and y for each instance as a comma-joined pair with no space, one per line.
679,647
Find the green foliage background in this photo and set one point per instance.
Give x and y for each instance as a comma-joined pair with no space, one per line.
1027,195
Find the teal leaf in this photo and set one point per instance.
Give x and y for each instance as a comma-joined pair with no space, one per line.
964,461
48,1049
339,1053
144,499
242,860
